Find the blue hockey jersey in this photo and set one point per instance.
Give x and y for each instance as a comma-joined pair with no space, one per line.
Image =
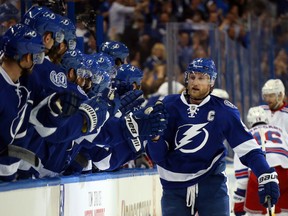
14,109
192,145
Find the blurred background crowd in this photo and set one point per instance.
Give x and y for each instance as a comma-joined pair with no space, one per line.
141,25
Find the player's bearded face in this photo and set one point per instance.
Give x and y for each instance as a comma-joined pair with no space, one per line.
272,100
199,85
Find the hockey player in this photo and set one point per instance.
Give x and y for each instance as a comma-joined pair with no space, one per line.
190,155
273,141
273,93
22,48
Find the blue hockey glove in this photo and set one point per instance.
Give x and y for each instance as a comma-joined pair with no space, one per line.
95,111
64,103
131,100
145,123
239,200
122,87
268,187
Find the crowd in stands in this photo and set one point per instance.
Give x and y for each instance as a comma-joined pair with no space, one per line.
141,26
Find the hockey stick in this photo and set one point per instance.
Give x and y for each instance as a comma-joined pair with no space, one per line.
269,205
21,153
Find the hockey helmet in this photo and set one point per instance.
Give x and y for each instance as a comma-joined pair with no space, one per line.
115,49
19,40
43,20
69,32
202,65
256,115
129,74
106,62
273,86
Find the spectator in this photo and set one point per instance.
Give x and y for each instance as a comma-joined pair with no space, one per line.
157,56
117,17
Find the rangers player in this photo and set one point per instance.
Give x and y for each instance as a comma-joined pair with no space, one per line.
273,140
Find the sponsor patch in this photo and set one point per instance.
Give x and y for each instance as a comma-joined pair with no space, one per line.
228,103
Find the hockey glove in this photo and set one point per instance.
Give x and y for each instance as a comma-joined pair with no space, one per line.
131,100
95,111
64,103
122,87
268,187
145,123
239,200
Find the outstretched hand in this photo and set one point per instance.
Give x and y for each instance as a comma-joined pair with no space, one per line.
145,123
130,100
64,103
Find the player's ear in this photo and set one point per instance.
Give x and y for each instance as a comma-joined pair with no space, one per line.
63,47
47,37
27,57
71,75
135,86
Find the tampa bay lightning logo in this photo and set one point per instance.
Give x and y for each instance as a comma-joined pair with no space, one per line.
58,79
100,60
115,46
23,96
191,138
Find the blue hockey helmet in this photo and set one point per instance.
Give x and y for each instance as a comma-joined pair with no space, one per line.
43,20
129,74
106,62
8,11
202,65
100,81
74,59
19,40
69,32
115,49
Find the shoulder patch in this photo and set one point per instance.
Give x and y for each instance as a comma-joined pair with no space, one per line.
58,79
228,103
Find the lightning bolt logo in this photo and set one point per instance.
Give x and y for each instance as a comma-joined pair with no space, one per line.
193,131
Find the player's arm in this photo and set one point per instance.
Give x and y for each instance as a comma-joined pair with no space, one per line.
85,119
109,159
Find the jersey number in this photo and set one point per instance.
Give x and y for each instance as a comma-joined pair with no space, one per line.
272,136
